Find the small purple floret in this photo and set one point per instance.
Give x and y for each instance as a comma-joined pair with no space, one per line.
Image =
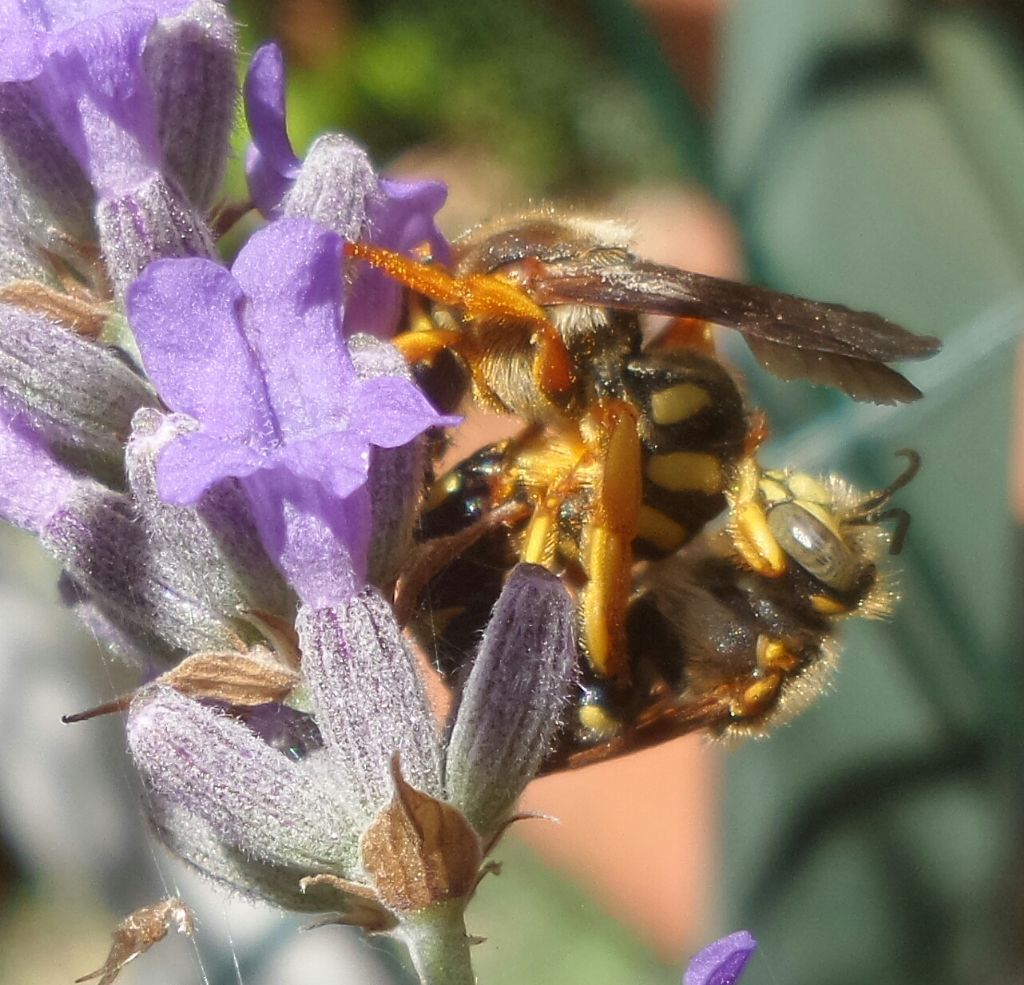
256,356
721,962
339,191
33,485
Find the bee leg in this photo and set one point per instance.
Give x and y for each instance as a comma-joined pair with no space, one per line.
748,524
433,556
423,345
552,363
610,431
487,296
756,694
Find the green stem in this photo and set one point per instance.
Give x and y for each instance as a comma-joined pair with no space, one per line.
438,945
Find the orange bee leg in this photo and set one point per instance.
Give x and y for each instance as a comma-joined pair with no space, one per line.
422,346
480,296
552,364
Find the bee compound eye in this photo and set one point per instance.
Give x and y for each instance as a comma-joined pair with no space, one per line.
814,547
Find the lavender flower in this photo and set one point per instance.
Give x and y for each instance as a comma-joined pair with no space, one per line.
385,824
257,358
85,110
721,962
336,187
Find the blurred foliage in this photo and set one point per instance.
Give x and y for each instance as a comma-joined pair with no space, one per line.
558,93
542,928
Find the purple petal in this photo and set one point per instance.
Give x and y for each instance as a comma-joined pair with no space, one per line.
291,273
404,219
192,463
391,411
271,164
374,305
32,485
368,700
338,461
318,542
186,316
722,962
251,795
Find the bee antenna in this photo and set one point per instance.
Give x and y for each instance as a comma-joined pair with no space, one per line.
899,536
866,510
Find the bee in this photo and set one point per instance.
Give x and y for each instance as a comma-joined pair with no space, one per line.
630,445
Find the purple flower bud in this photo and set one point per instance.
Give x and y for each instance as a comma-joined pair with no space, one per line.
257,358
253,797
337,188
83,65
190,64
150,222
27,229
99,538
512,704
128,644
83,393
47,173
721,962
194,840
369,701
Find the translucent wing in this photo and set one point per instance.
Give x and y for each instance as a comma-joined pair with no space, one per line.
792,337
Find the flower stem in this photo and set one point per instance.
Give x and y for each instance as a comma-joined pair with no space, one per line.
438,945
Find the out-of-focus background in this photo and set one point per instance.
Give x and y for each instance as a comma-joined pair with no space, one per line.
870,153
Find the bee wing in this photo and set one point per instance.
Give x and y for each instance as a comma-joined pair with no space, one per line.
790,336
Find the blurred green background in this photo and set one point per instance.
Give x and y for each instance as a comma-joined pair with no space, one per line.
870,153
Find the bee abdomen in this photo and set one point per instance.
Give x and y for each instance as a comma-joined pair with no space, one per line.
693,428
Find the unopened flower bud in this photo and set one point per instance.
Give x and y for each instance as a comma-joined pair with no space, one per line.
82,392
368,698
98,537
48,174
33,485
253,797
512,703
190,64
152,221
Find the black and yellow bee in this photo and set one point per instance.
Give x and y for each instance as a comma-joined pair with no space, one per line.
630,447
